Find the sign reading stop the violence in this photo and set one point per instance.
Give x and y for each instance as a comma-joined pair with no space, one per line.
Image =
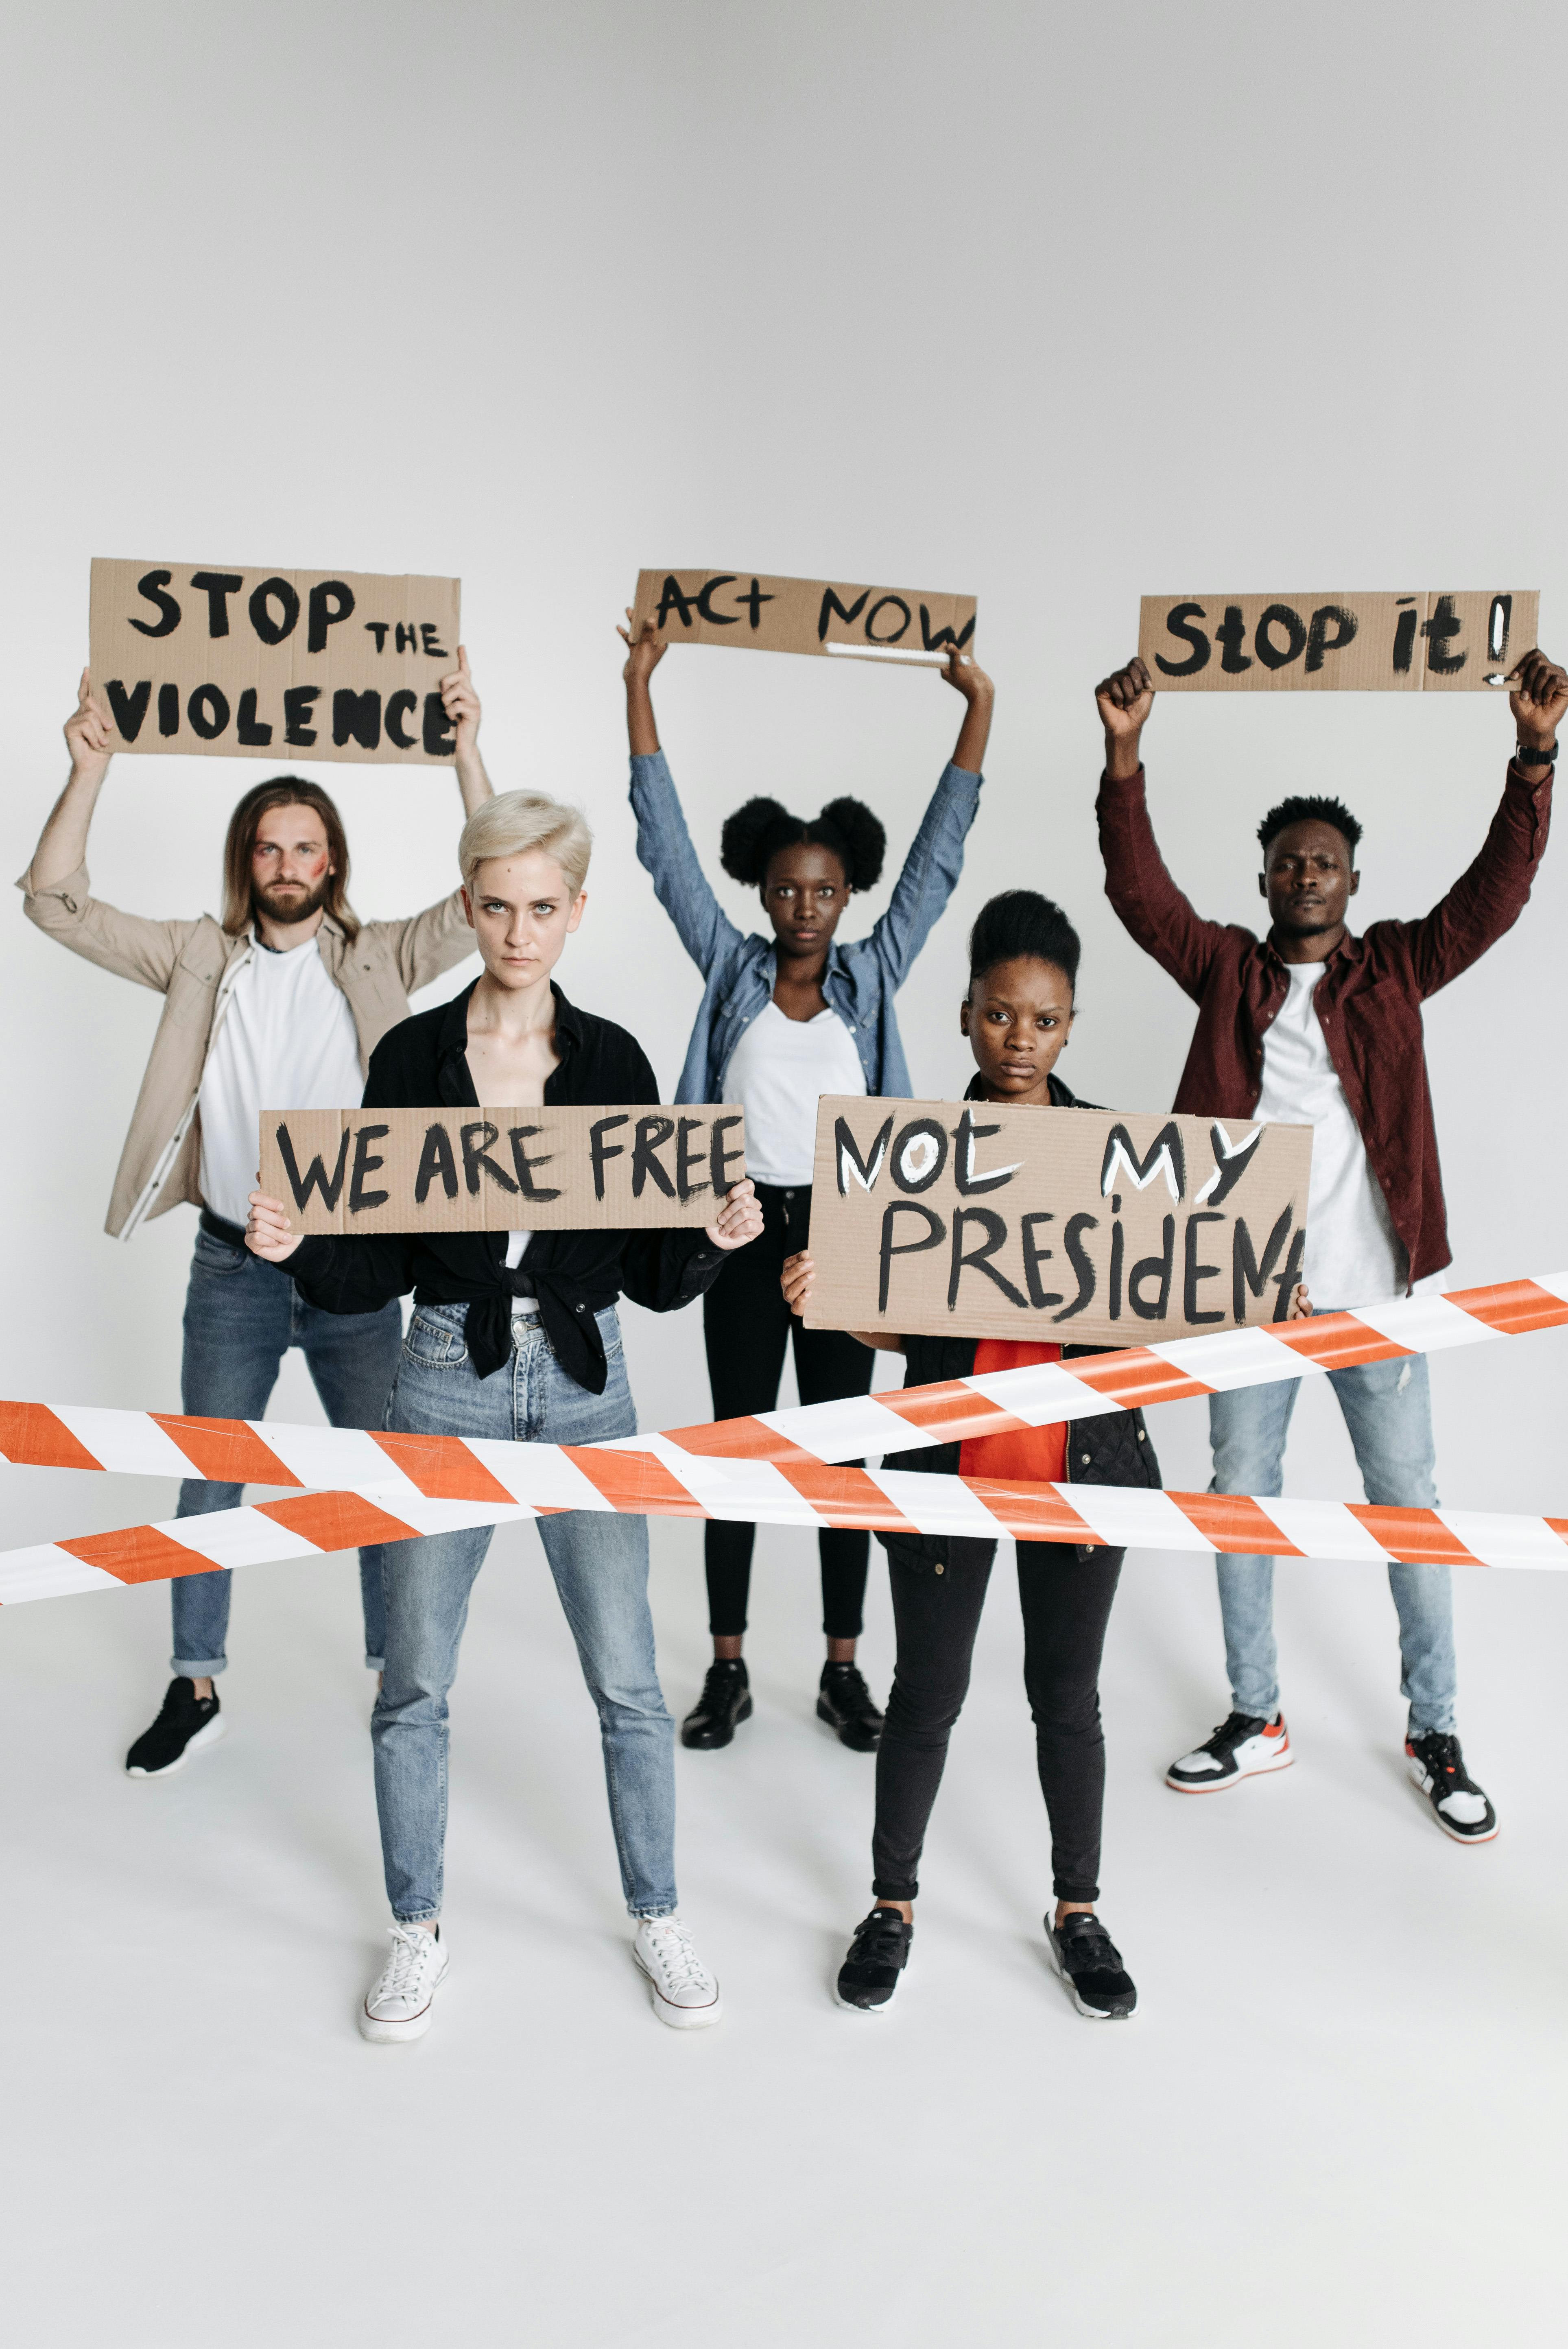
255,662
501,1170
764,614
1435,641
1069,1226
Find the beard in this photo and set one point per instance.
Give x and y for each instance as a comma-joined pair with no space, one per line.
294,907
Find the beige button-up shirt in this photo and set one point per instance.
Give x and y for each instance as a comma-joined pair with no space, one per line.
194,965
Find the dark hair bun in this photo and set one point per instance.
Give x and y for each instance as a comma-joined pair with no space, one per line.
848,826
754,835
1021,923
750,837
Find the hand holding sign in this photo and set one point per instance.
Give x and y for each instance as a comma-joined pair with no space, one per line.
1539,701
269,1233
89,734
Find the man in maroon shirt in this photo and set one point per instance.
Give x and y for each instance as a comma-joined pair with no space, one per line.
1314,1025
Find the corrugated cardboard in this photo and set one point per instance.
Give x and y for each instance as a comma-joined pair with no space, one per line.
501,1170
1063,1227
186,662
1433,641
802,616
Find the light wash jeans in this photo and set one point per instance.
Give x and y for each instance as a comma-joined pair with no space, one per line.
1387,1410
242,1316
601,1567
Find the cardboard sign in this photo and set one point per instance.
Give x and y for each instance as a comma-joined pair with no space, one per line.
1064,1226
501,1170
257,664
802,616
1447,642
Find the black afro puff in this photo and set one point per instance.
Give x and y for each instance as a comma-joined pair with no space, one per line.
753,836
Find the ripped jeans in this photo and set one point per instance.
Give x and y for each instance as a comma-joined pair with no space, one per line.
1387,1411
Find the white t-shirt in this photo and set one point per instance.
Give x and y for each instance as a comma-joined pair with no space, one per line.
777,1072
287,1040
1353,1254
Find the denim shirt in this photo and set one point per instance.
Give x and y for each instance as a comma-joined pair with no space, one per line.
860,979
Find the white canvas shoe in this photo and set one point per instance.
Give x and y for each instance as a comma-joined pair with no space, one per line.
686,1995
399,2004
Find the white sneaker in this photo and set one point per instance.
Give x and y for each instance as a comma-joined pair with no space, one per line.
1242,1746
399,2007
686,1995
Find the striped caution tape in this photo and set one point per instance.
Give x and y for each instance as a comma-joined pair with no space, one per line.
450,1467
311,1525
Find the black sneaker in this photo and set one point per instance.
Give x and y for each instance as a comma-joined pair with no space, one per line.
1240,1748
1459,1804
185,1723
845,1704
1090,1962
878,1956
725,1700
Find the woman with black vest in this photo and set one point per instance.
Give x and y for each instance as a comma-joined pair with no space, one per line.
784,1019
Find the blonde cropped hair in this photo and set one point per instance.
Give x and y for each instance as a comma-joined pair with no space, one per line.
514,822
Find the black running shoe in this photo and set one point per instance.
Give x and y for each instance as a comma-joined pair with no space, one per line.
725,1700
846,1704
878,1956
1090,1962
185,1723
1459,1804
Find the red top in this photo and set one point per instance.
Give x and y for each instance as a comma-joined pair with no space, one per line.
1039,1454
1368,999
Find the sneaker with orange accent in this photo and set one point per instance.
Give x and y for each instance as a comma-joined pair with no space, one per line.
1458,1805
1240,1748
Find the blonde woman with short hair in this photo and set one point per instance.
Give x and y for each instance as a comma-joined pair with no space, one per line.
516,1336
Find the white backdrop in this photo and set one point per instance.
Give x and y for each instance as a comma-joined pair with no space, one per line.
1052,304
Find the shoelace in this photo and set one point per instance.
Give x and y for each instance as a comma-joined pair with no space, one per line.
847,1684
719,1685
1231,1732
1442,1757
410,1953
1086,1937
671,1945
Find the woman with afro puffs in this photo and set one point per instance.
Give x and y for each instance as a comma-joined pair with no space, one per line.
786,1018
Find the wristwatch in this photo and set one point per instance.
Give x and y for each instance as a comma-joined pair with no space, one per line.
1528,756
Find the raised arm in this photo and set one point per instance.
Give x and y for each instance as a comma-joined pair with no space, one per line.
935,858
664,844
461,704
1487,899
1148,903
63,844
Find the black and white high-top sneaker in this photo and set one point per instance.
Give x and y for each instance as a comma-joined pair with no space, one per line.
185,1724
1240,1748
1459,1804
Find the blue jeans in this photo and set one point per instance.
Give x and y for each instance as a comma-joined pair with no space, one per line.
601,1567
242,1316
1387,1410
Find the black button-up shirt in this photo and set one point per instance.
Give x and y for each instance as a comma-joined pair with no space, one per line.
423,1064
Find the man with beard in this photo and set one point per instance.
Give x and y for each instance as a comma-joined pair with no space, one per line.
1315,1026
277,1005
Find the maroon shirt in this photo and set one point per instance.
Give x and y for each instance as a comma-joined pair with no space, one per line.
1368,1000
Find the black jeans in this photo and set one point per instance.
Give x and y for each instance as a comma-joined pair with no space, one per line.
1065,1601
746,1326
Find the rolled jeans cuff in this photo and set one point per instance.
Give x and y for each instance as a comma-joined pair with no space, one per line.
419,1916
1067,1888
888,1887
185,1669
651,1916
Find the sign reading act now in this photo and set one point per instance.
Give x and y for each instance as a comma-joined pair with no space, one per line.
501,1170
1420,643
1069,1226
256,663
770,615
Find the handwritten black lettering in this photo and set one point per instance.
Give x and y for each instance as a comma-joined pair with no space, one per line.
357,718
599,1150
257,733
283,593
1438,631
1033,1259
331,600
169,710
1192,1272
1246,1273
297,714
316,1177
881,605
705,601
846,612
651,1135
429,631
217,586
436,1160
1279,616
847,1157
1159,1267
914,1169
440,734
1084,1273
398,704
1179,624
151,584
379,630
365,1166
1319,641
934,640
129,708
671,599
719,1157
1230,636
994,1232
478,1140
686,1158
208,710
965,1135
935,1232
517,1135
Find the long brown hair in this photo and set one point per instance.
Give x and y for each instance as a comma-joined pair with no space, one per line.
283,791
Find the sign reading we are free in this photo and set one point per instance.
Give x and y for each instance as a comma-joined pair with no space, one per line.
254,662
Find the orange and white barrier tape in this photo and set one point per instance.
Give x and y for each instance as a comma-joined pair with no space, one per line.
451,1467
311,1525
354,1487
